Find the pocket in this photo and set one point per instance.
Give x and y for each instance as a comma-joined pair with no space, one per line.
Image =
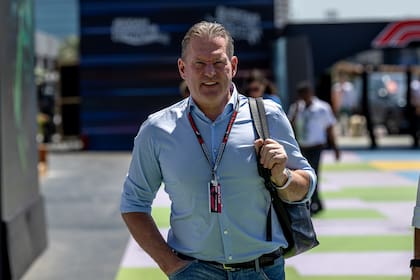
263,275
173,275
275,271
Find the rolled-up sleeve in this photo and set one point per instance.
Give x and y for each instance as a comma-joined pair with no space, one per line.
144,177
281,130
416,214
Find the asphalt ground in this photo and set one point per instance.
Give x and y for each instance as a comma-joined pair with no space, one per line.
365,228
86,234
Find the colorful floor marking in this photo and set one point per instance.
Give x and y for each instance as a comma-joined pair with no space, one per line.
365,232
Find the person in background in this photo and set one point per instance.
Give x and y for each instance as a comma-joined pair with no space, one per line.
313,122
257,85
415,262
343,100
204,150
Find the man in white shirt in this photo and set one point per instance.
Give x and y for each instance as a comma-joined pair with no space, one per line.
313,122
343,100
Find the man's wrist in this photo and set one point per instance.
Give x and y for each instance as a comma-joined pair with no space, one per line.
172,264
415,263
287,180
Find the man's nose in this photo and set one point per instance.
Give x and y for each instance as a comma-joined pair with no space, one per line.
209,70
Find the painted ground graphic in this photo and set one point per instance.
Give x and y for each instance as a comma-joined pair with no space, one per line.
365,231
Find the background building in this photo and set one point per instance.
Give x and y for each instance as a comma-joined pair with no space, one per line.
106,95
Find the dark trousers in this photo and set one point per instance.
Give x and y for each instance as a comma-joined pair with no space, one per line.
313,155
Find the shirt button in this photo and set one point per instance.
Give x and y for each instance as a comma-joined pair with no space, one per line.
230,258
226,232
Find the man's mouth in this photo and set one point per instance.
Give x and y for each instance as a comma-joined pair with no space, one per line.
209,83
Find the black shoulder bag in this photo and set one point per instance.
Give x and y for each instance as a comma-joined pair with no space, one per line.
295,219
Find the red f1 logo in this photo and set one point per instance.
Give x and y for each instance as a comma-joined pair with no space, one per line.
398,34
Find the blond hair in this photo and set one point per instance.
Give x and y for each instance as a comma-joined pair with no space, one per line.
210,30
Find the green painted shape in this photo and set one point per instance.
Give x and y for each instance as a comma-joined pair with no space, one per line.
292,274
364,243
350,214
161,216
368,193
341,166
140,274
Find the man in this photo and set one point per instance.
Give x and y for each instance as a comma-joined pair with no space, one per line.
313,122
204,151
415,263
259,86
343,100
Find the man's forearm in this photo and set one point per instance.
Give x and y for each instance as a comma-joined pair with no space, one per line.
415,275
417,243
298,188
331,137
144,230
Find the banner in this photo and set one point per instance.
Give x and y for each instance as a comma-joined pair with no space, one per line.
129,52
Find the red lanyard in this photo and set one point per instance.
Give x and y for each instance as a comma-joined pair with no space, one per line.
222,145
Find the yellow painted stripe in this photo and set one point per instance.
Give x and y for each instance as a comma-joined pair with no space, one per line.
397,165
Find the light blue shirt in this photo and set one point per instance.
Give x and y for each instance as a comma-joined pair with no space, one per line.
166,150
273,97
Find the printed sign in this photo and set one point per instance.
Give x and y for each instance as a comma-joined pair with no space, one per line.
137,32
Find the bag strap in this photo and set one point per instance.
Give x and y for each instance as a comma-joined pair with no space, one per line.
261,126
259,119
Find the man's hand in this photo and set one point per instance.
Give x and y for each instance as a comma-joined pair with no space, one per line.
273,157
415,273
337,154
177,266
144,230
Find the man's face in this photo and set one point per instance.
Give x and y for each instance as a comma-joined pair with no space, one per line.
255,89
208,71
306,96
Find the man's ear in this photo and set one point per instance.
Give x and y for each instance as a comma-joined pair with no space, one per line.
181,68
234,62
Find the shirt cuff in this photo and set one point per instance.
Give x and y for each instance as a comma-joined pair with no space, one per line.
416,217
